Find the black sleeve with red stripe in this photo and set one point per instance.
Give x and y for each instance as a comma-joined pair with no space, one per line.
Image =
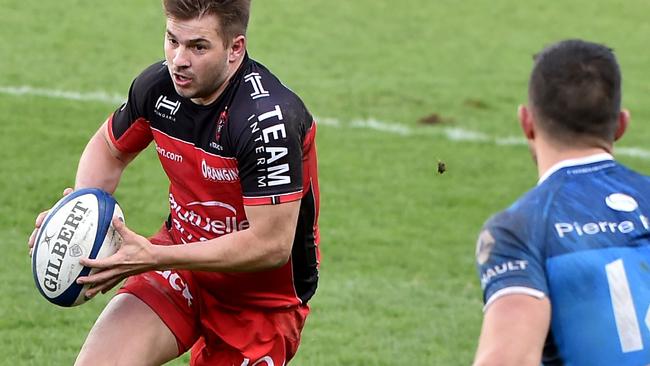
269,152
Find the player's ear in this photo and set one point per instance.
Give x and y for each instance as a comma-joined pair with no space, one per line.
526,121
237,48
623,122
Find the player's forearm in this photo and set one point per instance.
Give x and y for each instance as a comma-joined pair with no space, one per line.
242,251
99,166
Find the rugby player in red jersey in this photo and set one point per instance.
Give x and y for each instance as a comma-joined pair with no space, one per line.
230,273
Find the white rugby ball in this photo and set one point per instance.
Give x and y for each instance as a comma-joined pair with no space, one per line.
78,226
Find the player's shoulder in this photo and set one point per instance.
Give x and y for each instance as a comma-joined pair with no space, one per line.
260,91
522,211
634,177
155,77
514,228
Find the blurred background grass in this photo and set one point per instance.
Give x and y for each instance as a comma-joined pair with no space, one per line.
398,285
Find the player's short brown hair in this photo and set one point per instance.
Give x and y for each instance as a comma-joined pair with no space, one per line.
575,90
232,14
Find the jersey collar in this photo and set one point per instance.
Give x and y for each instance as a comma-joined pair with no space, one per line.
574,162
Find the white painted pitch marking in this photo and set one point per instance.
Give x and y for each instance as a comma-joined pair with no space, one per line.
96,96
373,124
633,151
450,133
461,134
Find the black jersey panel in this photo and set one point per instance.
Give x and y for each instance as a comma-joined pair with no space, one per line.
130,116
267,128
304,254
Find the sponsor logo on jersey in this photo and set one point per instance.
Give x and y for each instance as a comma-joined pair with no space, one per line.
226,175
270,169
256,81
216,146
167,108
621,202
214,227
169,154
268,361
177,283
565,229
484,246
502,268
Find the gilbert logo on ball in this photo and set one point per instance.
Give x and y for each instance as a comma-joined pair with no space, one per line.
78,226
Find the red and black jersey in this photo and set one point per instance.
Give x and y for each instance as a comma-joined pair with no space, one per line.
254,145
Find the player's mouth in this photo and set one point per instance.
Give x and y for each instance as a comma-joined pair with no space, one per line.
182,80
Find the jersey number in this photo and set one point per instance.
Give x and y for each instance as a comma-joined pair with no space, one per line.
627,324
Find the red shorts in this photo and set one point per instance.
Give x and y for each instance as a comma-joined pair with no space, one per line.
217,334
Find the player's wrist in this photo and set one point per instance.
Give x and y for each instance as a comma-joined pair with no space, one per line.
157,255
165,257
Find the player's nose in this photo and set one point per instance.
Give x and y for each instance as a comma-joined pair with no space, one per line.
181,57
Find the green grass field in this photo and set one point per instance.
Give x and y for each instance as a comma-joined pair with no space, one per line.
398,284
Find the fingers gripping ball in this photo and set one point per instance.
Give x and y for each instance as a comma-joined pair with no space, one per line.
78,226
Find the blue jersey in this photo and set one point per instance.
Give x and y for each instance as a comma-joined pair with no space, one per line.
581,238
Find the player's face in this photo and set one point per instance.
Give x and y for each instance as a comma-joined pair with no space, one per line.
197,59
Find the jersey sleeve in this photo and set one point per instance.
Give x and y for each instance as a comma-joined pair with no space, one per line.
270,155
508,260
128,126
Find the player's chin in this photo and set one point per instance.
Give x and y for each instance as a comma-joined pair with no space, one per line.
185,92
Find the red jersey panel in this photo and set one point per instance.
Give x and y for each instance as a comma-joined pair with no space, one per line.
255,145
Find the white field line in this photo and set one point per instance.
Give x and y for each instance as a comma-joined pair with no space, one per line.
450,133
98,96
634,152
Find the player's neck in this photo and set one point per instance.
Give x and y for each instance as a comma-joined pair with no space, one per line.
548,155
232,70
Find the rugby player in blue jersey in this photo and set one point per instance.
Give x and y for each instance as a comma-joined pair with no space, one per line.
565,270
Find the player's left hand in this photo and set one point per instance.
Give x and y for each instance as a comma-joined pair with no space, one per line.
134,256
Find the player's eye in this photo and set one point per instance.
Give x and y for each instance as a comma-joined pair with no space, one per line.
200,47
172,41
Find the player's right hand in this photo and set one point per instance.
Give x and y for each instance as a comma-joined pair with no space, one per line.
39,222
